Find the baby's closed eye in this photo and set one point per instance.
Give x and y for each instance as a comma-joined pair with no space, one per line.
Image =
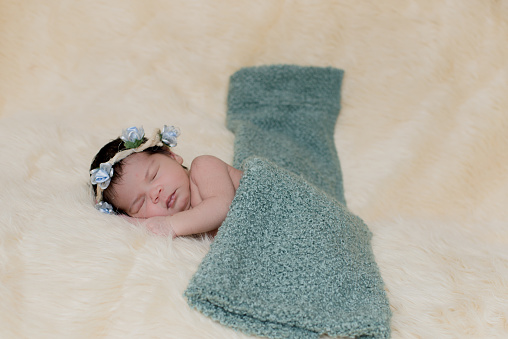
136,206
154,174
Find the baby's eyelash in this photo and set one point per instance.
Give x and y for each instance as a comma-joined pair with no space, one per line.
155,173
139,205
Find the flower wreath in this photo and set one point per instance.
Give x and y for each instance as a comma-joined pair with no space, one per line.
133,142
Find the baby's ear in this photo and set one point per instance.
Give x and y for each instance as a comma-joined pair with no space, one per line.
176,157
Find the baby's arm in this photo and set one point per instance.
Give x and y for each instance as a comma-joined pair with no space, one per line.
212,191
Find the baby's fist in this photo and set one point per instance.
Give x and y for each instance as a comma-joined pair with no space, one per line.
160,226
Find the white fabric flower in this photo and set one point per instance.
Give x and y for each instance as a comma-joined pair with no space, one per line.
104,207
132,136
169,135
102,176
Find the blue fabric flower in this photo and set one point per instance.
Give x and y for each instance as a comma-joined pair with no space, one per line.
132,136
102,176
169,135
104,207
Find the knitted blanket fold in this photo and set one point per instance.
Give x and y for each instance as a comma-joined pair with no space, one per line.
290,260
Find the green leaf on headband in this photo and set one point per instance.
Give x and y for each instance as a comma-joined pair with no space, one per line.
133,144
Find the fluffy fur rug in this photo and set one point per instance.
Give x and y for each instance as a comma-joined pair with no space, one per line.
422,138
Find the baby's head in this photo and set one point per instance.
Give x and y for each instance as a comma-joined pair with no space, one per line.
114,169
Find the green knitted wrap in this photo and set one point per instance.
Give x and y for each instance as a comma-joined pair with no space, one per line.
290,260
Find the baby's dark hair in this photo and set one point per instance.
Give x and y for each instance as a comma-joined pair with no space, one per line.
107,152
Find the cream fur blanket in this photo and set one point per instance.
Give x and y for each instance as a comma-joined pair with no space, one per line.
422,138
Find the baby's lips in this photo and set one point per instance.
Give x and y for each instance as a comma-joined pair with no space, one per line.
171,200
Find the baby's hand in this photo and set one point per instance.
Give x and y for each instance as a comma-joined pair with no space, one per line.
160,226
157,225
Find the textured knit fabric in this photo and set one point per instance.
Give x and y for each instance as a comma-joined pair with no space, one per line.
290,260
287,114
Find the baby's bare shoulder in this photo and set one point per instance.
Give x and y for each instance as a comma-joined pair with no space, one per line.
210,168
207,165
206,161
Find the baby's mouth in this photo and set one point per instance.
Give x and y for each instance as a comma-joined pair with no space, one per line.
171,200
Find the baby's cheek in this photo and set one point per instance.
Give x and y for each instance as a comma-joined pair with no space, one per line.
155,211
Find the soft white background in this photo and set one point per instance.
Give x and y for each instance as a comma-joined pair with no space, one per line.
422,137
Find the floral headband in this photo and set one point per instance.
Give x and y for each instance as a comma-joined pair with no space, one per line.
133,142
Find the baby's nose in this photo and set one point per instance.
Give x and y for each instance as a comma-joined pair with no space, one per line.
155,194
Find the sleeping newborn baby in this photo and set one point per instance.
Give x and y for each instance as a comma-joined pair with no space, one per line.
145,181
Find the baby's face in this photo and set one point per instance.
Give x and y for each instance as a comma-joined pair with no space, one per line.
153,185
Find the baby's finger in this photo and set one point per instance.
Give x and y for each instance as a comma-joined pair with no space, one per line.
157,229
